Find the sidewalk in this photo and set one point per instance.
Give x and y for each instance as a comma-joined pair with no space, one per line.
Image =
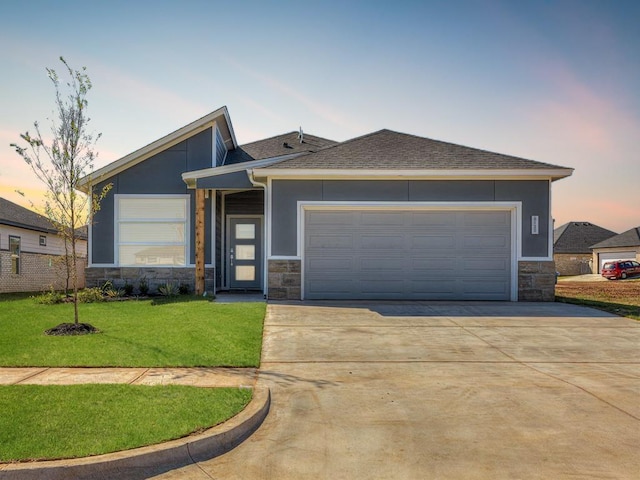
197,377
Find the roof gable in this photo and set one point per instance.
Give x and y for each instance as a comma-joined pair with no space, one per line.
577,237
630,238
218,117
389,150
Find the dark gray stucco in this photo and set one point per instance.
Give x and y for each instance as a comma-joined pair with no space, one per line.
534,195
160,174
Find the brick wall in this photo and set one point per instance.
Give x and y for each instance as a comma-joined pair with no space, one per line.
118,276
38,272
573,263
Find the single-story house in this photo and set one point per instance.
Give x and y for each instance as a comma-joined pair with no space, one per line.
572,246
625,246
32,253
383,216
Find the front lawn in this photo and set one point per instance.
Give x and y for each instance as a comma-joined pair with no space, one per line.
49,422
621,297
145,333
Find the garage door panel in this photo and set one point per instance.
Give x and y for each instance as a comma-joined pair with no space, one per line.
385,241
331,218
410,255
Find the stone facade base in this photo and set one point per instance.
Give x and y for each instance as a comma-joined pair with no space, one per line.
284,280
536,281
119,276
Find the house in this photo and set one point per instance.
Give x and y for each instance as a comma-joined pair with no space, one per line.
382,216
572,246
31,251
625,246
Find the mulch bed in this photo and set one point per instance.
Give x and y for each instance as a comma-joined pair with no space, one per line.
72,329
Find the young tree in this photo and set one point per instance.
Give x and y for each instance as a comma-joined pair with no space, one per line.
63,160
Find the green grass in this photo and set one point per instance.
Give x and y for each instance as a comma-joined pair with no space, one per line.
144,333
49,422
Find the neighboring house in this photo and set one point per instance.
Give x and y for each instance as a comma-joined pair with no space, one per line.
32,252
625,246
383,216
572,246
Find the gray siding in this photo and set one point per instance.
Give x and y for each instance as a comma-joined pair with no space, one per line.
159,174
534,195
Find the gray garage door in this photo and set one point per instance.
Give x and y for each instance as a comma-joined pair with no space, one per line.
429,255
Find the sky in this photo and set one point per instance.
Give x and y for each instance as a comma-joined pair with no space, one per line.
553,81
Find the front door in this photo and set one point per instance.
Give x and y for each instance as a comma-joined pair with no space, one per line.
244,253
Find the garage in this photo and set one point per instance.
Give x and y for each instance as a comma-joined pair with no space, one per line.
402,254
622,255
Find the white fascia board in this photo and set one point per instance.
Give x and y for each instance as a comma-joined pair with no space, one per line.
348,174
190,177
153,148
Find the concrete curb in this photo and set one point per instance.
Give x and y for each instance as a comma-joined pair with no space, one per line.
144,462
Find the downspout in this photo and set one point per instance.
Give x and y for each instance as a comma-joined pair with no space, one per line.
266,232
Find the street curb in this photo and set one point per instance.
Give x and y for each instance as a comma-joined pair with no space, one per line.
141,463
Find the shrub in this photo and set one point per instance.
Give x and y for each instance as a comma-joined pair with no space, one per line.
128,289
168,290
143,286
50,298
184,289
91,295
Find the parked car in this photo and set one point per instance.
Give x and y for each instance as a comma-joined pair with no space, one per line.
620,269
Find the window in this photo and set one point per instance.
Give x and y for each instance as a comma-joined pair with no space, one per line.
152,230
14,252
43,240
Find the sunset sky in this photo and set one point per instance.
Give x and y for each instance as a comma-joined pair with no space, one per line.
554,81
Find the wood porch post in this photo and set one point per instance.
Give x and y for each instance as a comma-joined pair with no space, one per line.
200,248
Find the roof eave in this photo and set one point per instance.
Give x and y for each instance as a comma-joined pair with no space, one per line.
449,174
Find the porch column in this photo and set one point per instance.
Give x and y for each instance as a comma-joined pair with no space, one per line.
200,248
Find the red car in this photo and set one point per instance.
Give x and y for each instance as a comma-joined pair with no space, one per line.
620,269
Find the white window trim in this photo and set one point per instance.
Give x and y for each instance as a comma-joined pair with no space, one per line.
187,226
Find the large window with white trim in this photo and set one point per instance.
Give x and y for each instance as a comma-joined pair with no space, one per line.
152,230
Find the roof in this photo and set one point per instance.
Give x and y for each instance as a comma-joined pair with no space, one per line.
16,216
389,150
630,238
577,237
219,117
286,144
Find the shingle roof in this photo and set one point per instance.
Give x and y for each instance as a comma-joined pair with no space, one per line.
17,216
630,238
285,144
386,149
577,237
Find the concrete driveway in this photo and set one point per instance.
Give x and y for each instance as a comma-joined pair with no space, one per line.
443,390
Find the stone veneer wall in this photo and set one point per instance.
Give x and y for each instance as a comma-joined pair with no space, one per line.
285,279
536,281
97,276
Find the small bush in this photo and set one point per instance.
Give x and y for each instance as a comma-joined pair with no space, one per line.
168,290
91,295
128,289
184,289
50,298
143,286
